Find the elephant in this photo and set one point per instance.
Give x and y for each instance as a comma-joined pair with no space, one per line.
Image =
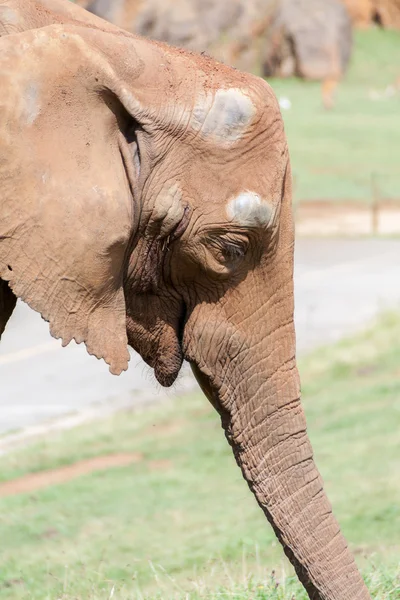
146,201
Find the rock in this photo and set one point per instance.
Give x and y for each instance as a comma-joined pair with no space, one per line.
308,38
83,3
120,12
194,24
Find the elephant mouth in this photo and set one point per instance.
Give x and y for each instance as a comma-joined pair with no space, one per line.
159,343
169,357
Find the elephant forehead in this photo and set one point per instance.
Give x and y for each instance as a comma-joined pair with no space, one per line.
224,115
249,210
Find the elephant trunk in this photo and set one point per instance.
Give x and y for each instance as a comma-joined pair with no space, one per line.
242,351
265,425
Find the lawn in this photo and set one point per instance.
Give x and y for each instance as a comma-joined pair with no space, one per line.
351,152
179,522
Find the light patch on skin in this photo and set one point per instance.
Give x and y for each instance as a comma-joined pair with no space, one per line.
249,210
168,208
31,103
223,116
8,16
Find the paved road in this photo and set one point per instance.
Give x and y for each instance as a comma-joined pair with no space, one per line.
340,285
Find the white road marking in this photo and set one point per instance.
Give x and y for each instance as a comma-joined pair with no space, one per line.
307,277
342,267
31,352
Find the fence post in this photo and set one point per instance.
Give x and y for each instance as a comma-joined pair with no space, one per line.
375,197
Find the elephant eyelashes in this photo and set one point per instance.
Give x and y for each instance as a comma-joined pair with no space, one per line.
229,250
234,251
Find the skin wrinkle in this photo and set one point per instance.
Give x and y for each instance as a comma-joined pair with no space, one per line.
312,535
261,406
284,514
275,490
289,405
266,385
302,434
245,434
269,356
275,349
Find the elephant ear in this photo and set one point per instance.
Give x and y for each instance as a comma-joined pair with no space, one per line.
65,202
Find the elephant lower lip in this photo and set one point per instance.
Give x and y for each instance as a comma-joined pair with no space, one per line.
167,372
166,362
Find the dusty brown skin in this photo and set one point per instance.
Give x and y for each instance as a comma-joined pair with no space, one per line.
121,159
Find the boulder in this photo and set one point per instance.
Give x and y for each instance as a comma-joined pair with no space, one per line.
309,38
83,3
122,13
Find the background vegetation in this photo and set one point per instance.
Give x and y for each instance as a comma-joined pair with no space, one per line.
345,153
180,521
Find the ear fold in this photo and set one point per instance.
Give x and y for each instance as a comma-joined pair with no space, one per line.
7,304
66,203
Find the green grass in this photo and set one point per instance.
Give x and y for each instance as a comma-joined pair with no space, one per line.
344,153
181,522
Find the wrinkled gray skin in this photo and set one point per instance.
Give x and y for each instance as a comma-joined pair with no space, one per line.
146,199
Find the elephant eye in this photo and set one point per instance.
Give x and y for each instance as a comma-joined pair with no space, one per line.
234,251
229,249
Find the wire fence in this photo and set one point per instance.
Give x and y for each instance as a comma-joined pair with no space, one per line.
372,209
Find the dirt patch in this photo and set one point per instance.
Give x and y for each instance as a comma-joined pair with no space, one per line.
324,218
160,465
9,583
366,370
38,481
167,429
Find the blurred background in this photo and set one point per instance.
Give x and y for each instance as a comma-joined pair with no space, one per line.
112,487
331,54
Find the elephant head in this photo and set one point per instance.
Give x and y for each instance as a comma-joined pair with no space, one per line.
146,199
